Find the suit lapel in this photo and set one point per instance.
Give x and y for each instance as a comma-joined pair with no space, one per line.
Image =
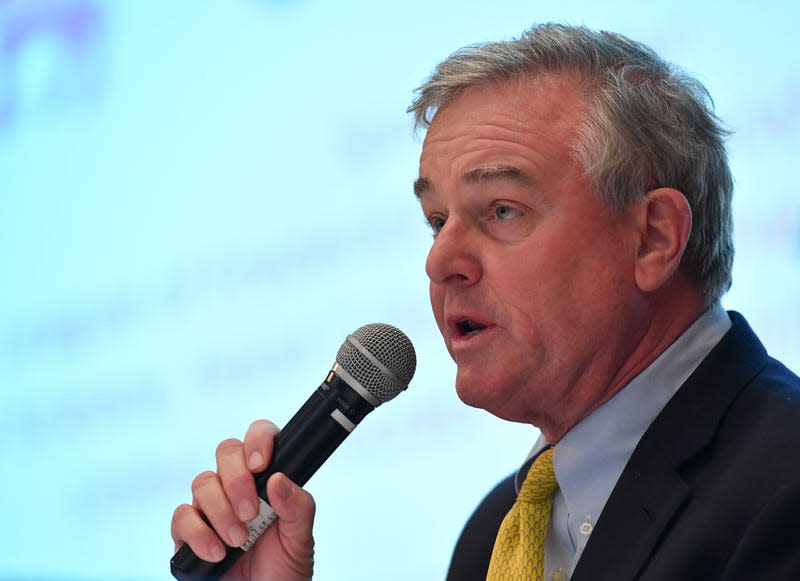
651,491
640,507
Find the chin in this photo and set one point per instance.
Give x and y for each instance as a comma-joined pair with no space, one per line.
471,393
477,396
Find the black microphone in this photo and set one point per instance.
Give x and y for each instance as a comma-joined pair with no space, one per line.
374,364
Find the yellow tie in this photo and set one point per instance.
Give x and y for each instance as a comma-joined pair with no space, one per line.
519,548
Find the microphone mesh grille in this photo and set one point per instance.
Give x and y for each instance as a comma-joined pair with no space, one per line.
391,348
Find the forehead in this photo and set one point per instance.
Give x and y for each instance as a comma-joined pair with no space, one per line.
545,97
529,124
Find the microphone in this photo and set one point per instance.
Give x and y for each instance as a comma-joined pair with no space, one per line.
373,365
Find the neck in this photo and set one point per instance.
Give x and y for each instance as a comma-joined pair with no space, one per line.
667,313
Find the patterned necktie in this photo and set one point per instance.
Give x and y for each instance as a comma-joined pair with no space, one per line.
519,548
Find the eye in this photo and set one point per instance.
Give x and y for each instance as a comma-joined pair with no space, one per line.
504,212
436,224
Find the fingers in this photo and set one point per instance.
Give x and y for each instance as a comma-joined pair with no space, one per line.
236,463
236,479
188,527
212,501
258,444
227,497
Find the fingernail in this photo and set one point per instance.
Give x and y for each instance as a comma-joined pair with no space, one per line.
238,534
217,552
284,489
256,460
246,510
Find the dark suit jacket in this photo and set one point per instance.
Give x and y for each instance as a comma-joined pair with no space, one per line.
712,491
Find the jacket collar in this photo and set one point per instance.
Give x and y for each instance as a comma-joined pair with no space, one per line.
651,490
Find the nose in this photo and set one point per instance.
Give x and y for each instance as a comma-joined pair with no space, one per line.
453,257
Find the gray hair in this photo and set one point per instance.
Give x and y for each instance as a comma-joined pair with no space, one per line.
648,125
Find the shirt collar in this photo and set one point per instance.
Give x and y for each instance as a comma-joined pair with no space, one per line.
597,449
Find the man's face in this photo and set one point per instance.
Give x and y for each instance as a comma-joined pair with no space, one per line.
532,280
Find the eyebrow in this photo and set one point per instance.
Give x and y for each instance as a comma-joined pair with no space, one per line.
482,174
498,172
421,186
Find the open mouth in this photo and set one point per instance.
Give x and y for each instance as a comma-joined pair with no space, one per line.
469,327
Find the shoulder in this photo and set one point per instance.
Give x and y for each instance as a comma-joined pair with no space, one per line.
474,547
737,399
772,395
741,412
761,430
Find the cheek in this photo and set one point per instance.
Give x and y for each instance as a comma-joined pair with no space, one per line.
437,303
547,292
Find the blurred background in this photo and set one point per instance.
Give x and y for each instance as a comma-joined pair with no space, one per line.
200,200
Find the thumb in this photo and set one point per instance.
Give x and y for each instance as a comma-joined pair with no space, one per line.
295,509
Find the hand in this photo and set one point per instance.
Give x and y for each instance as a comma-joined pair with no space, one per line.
228,499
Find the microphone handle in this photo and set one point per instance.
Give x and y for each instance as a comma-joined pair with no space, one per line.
302,446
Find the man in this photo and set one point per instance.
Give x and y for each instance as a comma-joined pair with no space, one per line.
579,195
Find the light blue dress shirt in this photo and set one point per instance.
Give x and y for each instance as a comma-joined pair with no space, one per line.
589,459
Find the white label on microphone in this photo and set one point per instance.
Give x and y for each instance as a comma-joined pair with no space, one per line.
342,419
265,517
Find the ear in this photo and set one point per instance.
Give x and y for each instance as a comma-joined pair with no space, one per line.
665,221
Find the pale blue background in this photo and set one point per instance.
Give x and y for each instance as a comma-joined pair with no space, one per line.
199,200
